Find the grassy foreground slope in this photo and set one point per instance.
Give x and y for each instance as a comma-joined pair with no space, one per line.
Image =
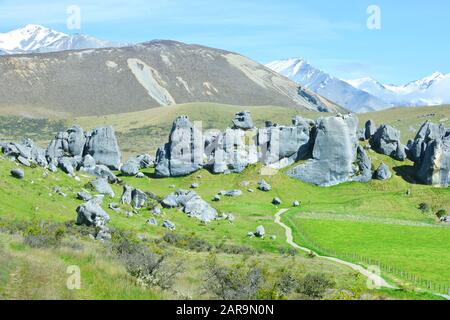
40,273
378,220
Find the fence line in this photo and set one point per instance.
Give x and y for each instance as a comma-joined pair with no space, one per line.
413,279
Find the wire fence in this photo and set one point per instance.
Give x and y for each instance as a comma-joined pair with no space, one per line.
411,279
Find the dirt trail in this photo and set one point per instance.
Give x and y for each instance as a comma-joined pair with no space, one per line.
376,280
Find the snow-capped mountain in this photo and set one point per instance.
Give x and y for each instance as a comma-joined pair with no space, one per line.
37,39
328,86
431,90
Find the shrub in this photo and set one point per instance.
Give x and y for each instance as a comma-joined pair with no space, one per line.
43,235
187,242
424,207
148,268
314,285
235,249
441,213
237,282
287,283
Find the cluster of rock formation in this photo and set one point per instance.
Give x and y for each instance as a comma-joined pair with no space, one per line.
329,145
430,152
71,150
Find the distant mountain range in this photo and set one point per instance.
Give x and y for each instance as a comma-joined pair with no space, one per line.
363,95
431,90
35,39
138,77
337,90
360,95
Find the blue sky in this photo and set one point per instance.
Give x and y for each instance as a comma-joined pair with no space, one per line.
413,42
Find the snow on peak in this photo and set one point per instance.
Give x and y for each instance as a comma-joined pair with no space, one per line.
431,90
332,88
34,38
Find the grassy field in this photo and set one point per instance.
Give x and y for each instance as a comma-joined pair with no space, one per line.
105,278
378,220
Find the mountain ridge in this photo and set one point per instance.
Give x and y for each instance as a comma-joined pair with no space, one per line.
151,74
337,90
34,38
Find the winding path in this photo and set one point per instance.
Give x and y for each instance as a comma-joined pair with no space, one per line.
377,280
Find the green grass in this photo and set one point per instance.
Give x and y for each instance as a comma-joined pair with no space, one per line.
379,220
418,250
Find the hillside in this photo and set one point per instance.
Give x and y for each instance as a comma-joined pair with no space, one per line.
345,221
139,77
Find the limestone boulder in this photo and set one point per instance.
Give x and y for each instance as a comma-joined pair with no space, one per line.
334,152
386,140
183,154
102,145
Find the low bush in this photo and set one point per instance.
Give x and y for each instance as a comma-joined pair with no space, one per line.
237,282
148,268
424,207
441,213
314,285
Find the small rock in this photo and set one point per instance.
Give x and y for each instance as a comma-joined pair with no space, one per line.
140,175
233,193
250,234
382,173
152,221
157,211
251,190
264,186
260,232
296,204
194,185
114,206
18,173
216,198
130,168
277,201
169,225
138,198
273,238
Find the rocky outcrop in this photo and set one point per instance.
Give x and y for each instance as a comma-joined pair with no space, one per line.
233,151
26,153
243,120
386,140
101,144
130,168
281,146
264,186
92,214
138,198
334,152
192,204
70,143
430,152
183,154
369,129
364,166
102,186
382,172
